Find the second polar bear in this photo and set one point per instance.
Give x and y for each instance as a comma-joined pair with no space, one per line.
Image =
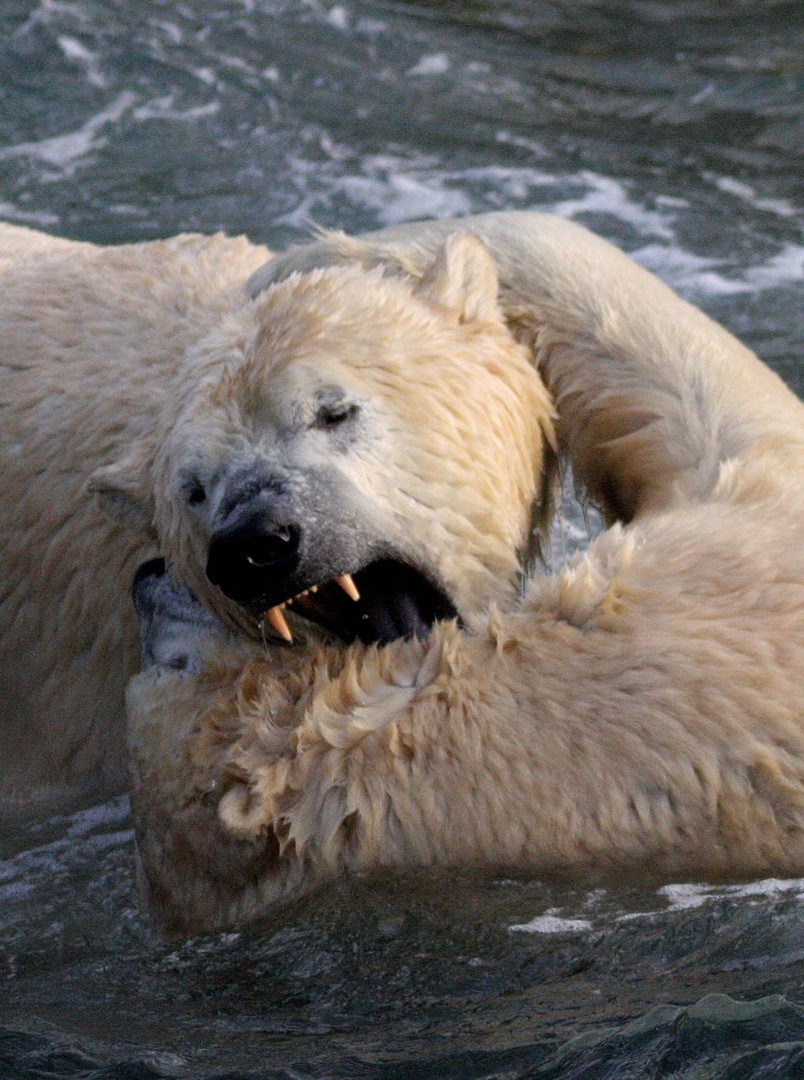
361,408
640,709
142,371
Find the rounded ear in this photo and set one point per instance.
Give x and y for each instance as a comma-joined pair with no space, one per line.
463,278
123,493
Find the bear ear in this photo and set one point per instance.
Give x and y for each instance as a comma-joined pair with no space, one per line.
463,278
121,491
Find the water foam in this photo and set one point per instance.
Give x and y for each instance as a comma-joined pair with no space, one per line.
550,923
66,152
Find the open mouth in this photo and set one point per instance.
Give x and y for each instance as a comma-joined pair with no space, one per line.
384,601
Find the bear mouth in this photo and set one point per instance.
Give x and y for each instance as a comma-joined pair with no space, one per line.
382,602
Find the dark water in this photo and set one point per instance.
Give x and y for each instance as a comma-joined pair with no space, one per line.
419,975
675,128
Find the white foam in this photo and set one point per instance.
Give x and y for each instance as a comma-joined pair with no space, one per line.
703,94
603,194
206,75
79,54
82,838
782,269
687,896
10,212
338,17
397,189
393,196
693,274
162,109
686,272
431,64
741,190
173,32
506,138
607,195
401,198
511,182
370,27
552,924
66,152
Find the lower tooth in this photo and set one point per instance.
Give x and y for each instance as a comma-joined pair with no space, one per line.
277,620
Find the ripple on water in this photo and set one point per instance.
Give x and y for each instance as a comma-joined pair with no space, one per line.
391,975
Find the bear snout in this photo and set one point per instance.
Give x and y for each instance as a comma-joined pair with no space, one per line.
249,559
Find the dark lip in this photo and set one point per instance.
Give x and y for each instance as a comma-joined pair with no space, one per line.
396,601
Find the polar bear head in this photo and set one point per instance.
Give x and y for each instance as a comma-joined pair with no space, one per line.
354,425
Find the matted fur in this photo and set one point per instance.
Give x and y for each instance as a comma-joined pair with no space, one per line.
120,366
640,710
90,341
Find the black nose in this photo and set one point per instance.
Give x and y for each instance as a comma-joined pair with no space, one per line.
248,560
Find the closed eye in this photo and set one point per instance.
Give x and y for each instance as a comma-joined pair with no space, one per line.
333,415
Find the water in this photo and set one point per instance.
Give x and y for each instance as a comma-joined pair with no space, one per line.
406,976
674,128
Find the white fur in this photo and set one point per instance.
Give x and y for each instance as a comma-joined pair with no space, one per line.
90,342
639,711
121,368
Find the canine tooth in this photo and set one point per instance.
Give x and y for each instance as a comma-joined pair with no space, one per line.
313,588
347,584
277,620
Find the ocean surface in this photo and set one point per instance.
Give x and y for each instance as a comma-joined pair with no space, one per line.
673,127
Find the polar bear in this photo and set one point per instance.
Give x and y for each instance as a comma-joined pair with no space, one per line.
163,350
90,341
139,373
638,710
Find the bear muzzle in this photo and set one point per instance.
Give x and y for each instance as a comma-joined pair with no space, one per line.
246,559
275,554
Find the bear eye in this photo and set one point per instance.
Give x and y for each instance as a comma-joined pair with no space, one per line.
334,414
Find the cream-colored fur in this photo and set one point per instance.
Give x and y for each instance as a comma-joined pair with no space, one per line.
640,710
132,371
90,342
652,395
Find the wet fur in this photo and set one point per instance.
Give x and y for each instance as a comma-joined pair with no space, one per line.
639,711
126,371
91,341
